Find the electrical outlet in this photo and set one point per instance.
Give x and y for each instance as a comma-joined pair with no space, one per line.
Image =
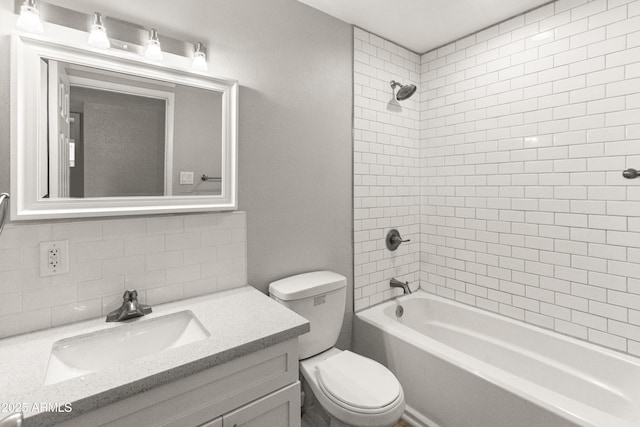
54,258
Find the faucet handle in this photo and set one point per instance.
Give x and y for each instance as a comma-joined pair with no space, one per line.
139,307
394,239
130,295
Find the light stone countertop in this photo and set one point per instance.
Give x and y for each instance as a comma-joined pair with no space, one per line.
240,321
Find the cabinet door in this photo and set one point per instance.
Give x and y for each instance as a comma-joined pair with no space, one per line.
278,409
213,423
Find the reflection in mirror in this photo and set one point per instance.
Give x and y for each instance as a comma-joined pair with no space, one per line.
122,160
113,134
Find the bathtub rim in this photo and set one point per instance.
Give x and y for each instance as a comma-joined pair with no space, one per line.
559,404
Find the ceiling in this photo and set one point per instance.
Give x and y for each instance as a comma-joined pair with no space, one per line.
421,25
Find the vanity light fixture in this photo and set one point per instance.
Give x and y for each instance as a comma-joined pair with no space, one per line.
153,50
200,57
98,36
29,19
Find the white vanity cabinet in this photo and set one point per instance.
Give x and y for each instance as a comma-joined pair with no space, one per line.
257,389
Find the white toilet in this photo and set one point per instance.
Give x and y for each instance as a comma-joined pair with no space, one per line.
352,389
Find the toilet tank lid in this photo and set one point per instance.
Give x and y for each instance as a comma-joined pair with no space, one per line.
307,285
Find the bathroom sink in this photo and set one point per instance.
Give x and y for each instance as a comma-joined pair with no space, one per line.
83,354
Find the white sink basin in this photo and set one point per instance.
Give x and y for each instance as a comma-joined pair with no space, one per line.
82,354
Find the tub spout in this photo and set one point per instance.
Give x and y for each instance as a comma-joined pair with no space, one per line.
395,283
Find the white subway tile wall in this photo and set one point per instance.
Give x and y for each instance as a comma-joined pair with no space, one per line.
525,128
165,258
386,168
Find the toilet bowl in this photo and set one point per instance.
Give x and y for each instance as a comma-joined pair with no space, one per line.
353,390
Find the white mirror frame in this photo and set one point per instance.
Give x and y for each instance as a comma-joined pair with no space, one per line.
26,114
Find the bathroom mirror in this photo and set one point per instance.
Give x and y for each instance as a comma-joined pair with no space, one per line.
100,133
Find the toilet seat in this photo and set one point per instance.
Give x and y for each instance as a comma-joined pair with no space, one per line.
358,384
351,415
357,410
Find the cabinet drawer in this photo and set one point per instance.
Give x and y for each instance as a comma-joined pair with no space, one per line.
213,423
279,409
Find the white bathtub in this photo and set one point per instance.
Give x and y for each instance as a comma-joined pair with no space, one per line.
464,367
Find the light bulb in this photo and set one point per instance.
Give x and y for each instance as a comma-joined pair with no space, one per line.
29,19
200,57
153,50
98,36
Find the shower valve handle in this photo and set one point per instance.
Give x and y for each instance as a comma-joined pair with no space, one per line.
630,173
394,239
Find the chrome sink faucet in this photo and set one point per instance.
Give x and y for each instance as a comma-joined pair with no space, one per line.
395,283
129,309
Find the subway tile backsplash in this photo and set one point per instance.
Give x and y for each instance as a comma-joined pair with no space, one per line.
165,258
525,128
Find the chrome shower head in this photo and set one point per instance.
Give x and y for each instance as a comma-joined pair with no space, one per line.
405,91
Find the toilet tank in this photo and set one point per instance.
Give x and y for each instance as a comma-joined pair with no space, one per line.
319,297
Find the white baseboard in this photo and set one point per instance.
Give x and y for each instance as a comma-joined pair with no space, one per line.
416,419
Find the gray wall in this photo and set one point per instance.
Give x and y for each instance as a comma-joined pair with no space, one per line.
197,139
126,159
294,65
5,96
